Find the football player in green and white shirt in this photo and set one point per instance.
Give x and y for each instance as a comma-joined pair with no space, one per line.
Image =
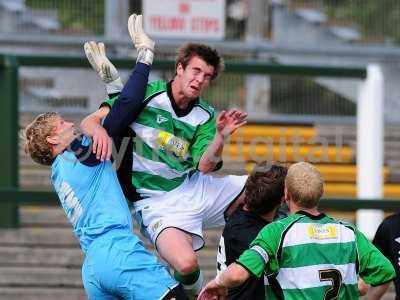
307,255
175,139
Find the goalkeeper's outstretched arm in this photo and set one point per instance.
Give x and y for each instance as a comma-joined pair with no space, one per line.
130,102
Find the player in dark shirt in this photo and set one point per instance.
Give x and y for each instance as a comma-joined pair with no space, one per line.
387,240
264,191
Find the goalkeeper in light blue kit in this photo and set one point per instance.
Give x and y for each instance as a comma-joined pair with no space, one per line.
116,265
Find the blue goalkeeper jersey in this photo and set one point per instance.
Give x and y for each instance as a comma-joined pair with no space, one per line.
89,193
88,189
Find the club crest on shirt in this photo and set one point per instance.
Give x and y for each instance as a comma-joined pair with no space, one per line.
321,231
161,119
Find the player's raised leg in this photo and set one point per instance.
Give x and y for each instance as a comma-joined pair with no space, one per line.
175,246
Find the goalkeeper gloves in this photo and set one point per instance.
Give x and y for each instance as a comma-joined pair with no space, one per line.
96,55
143,44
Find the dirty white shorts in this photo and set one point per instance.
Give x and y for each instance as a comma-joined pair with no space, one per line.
199,202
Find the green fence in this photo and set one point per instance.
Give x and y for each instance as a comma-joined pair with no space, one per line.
11,197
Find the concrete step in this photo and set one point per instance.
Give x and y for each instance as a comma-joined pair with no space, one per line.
43,277
38,237
51,216
40,257
31,215
208,258
35,178
34,185
35,171
26,162
46,236
42,293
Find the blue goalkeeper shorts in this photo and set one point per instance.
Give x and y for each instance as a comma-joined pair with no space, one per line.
117,266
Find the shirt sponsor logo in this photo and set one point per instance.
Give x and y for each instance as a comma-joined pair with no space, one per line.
321,231
173,144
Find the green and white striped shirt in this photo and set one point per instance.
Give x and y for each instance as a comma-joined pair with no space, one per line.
167,147
314,257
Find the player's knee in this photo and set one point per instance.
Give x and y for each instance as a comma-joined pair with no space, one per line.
188,264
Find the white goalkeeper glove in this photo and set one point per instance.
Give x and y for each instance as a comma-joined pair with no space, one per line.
142,42
96,55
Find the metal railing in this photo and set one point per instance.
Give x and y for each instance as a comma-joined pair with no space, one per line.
297,90
9,77
10,200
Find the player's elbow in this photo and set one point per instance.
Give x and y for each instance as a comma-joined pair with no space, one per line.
204,168
207,165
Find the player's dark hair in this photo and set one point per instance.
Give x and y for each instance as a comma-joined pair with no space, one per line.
265,188
206,53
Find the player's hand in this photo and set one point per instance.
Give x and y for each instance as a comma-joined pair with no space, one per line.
139,38
102,144
96,55
229,121
142,42
213,291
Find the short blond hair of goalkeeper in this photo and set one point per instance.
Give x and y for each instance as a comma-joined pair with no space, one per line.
35,138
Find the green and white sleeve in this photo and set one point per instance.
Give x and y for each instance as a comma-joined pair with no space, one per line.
375,268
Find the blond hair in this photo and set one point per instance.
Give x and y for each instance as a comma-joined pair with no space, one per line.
305,184
35,138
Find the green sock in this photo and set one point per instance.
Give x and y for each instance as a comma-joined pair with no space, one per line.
187,278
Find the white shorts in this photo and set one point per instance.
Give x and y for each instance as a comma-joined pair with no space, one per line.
199,202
